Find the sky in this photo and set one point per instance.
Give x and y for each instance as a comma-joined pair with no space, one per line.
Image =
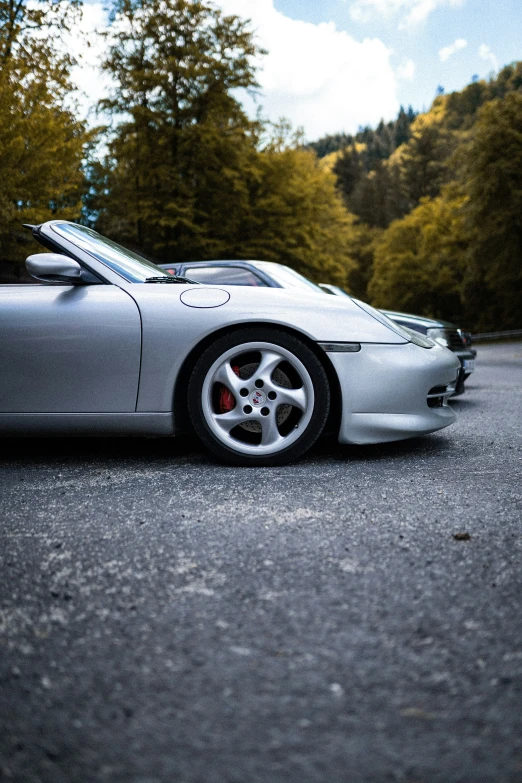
336,65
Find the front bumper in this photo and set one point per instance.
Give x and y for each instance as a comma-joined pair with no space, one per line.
467,366
467,361
385,391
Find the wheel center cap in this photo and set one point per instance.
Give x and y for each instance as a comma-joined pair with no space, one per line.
258,398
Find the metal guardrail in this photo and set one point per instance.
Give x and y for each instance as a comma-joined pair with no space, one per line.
477,338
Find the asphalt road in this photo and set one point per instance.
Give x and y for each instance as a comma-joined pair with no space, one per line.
166,619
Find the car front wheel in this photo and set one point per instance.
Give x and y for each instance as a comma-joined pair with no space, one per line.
258,397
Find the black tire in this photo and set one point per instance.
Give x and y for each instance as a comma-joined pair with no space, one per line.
309,413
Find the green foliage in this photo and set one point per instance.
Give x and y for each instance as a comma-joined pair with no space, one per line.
422,213
29,32
458,255
462,107
41,142
386,181
491,176
177,159
370,187
296,217
362,246
383,174
185,177
378,143
422,163
419,260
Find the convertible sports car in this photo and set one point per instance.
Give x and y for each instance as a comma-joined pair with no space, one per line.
112,344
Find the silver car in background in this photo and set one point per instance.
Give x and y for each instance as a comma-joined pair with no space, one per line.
107,343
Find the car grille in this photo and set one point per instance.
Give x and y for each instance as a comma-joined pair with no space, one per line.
456,343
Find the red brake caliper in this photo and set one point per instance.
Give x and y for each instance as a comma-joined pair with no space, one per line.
226,398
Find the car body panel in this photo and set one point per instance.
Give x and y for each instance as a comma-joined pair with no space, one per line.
385,391
68,349
87,424
459,340
172,330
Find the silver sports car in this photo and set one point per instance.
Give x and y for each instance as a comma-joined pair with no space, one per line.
112,344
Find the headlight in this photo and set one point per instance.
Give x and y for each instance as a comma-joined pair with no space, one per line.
440,336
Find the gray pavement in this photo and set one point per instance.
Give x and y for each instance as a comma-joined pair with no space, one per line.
166,619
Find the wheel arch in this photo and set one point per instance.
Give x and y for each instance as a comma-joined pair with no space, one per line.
180,405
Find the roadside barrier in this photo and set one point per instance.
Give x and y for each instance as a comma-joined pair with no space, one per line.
485,336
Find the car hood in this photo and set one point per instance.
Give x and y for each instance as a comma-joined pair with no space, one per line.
320,317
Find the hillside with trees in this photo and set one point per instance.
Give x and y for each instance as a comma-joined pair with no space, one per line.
422,213
439,218
467,212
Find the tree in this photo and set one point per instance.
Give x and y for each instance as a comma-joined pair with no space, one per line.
491,166
372,188
378,143
450,200
23,48
401,129
175,176
189,176
41,142
420,260
362,251
423,160
348,170
296,217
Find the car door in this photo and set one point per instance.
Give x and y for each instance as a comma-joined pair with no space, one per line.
68,349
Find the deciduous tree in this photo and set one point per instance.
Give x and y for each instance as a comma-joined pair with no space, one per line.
189,176
175,174
41,142
491,175
297,217
420,260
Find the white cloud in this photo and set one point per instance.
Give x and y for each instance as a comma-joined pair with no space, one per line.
413,12
406,71
318,77
486,54
448,51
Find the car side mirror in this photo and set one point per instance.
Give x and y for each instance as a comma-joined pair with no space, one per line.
54,268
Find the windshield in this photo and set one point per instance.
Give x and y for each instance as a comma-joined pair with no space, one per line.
129,265
334,290
286,277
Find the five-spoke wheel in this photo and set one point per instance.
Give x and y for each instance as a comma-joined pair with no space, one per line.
259,397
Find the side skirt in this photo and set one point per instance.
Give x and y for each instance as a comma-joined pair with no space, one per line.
86,424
